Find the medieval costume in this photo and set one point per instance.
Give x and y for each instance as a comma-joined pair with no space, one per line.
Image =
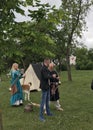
54,92
54,84
17,94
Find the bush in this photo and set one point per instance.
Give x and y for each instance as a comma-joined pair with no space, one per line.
89,65
62,67
84,65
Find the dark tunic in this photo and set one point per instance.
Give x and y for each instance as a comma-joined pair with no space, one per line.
54,83
45,77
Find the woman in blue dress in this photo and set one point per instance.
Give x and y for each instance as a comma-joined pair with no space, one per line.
16,98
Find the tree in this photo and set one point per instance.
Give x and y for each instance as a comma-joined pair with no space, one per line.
29,41
7,22
84,60
72,26
90,54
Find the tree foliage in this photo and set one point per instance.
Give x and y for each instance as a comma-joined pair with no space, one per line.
71,27
50,33
25,42
84,59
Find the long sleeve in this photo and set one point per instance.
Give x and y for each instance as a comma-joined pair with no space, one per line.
46,74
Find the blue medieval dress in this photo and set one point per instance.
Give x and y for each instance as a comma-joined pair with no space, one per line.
17,98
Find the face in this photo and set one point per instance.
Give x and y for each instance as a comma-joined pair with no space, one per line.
16,66
51,65
48,62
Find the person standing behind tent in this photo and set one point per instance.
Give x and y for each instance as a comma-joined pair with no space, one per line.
44,85
16,97
54,91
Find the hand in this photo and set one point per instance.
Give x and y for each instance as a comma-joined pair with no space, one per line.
58,77
54,75
24,75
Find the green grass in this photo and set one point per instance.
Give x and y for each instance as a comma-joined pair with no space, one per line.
76,98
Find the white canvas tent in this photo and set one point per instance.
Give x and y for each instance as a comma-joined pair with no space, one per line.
32,76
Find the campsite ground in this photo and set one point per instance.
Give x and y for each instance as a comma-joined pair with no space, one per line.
76,98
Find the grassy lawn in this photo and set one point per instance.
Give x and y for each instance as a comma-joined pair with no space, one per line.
76,98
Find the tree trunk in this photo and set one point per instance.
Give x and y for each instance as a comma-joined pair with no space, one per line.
68,64
1,124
